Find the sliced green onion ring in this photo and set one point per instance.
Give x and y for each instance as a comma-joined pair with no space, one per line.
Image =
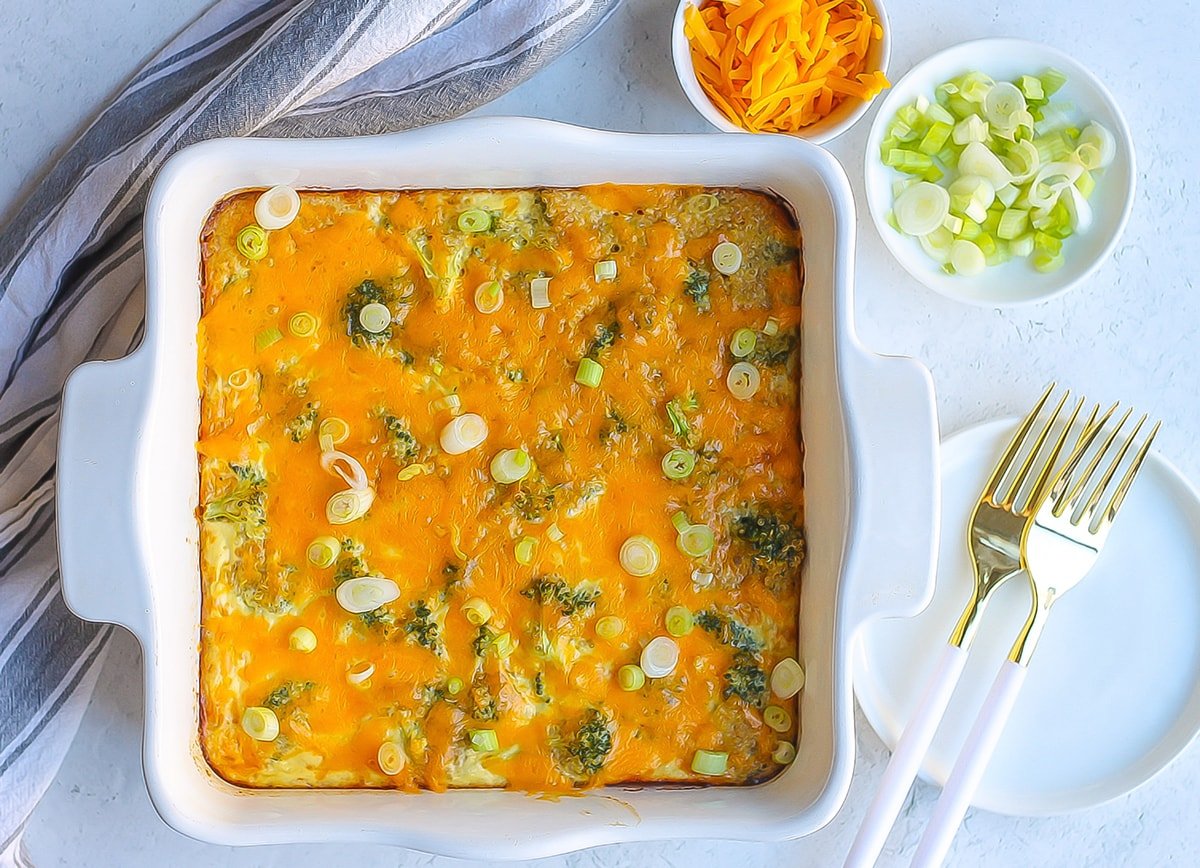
477,611
696,541
631,677
966,257
678,464
323,551
455,686
463,433
366,594
349,505
353,475
303,324
610,627
787,678
743,380
260,723
391,758
1098,136
1004,101
639,556
742,343
679,621
375,317
921,208
589,373
727,257
511,465
660,657
978,159
335,428
360,673
777,718
711,763
784,753
680,521
605,269
277,207
240,379
303,640
525,550
702,203
475,220
252,242
489,297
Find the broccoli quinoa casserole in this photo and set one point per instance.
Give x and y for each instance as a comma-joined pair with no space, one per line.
500,488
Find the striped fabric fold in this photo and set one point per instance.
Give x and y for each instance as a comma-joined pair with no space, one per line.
71,267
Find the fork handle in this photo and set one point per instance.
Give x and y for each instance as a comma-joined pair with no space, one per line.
906,758
968,769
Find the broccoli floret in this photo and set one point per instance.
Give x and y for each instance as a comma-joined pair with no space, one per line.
729,631
539,685
302,426
773,351
286,693
402,445
367,292
773,540
483,702
614,425
586,751
696,287
351,564
422,629
746,680
484,637
380,617
779,253
534,498
245,504
606,336
677,420
553,590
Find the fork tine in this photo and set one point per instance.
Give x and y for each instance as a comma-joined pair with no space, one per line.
1118,497
1014,445
1023,471
1091,430
1071,501
1040,483
1089,506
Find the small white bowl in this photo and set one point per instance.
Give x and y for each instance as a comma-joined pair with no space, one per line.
836,123
1015,282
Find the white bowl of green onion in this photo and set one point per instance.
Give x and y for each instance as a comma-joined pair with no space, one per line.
1000,172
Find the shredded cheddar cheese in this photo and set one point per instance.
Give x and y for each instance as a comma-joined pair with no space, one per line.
411,646
781,65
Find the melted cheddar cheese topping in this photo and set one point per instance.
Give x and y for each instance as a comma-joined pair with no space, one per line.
530,699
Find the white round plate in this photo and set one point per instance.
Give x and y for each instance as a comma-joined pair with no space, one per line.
1015,282
1113,691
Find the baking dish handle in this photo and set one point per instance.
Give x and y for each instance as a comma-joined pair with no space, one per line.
103,414
896,485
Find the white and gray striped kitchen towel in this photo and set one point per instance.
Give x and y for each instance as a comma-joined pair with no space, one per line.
70,263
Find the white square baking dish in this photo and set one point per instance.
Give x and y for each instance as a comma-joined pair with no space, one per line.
128,490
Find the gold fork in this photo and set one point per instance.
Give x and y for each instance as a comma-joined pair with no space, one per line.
1058,548
994,542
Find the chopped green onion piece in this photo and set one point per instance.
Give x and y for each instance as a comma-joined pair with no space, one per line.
554,532
953,224
463,433
679,621
679,423
589,373
1052,80
277,207
771,327
743,343
605,269
450,402
1022,246
489,297
1085,183
303,324
475,220
631,677
366,594
375,317
972,128
743,380
303,640
727,257
1047,262
335,429
967,258
610,627
777,718
678,464
477,611
660,657
1098,137
267,338
787,678
349,505
252,242
702,203
323,551
484,740
1013,223
1031,87
639,556
1003,104
921,208
391,758
711,763
784,753
526,550
503,645
511,465
360,673
260,723
936,138
680,521
696,541
240,379
455,686
539,292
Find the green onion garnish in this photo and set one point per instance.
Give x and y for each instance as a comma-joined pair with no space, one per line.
743,343
260,723
349,505
539,292
787,678
240,378
267,338
696,541
784,753
324,551
771,327
743,380
391,758
484,740
710,762
455,686
609,627
702,203
678,464
589,373
303,640
777,718
680,521
631,677
605,269
489,296
475,220
554,532
679,621
477,611
511,465
375,317
679,422
503,645
252,242
727,257
639,556
303,324
526,550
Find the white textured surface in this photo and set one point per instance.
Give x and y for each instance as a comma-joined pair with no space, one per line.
1129,333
